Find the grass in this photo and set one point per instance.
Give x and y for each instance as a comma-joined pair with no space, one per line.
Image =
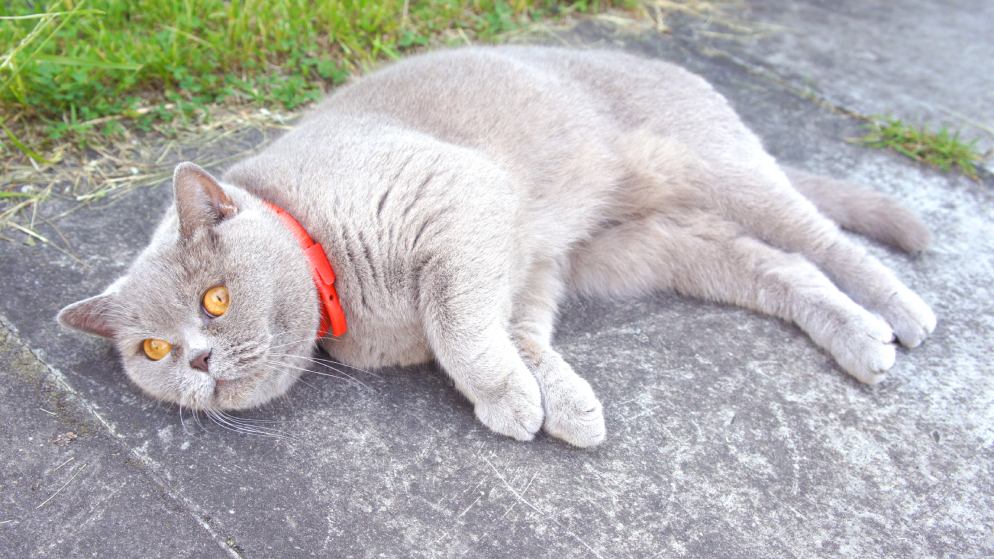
81,70
91,90
941,149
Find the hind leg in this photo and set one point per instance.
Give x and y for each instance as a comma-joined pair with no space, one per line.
763,201
703,256
572,411
760,198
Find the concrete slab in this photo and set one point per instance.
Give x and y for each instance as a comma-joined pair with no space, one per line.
921,61
68,488
730,434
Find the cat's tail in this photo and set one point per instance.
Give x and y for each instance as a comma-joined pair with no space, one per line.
863,211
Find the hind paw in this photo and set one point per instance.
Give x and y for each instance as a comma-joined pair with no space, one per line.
865,348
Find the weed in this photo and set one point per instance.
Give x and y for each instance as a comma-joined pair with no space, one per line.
942,149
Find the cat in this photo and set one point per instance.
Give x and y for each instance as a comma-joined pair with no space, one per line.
460,195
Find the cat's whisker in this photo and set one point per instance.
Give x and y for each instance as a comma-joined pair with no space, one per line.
302,381
196,415
276,367
302,340
275,346
328,361
281,369
233,428
222,420
251,419
183,421
309,338
353,367
218,423
275,370
343,373
252,426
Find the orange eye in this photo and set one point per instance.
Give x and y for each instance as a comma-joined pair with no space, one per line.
156,349
216,301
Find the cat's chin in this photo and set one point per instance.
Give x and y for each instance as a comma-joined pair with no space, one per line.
245,392
249,391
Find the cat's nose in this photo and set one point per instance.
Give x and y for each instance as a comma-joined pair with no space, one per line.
201,361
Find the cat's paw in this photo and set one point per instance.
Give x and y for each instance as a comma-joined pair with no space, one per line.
865,348
572,411
575,416
909,316
516,411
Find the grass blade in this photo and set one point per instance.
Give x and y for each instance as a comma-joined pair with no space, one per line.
35,156
69,61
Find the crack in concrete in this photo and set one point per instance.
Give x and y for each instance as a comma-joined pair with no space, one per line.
151,467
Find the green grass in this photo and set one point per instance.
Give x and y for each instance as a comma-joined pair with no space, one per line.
941,149
77,72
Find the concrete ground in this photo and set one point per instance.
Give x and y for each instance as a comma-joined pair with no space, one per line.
730,434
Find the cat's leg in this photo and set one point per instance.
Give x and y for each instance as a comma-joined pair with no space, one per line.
763,201
758,195
572,411
702,256
464,305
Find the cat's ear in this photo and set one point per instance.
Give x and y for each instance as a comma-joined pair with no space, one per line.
93,316
200,200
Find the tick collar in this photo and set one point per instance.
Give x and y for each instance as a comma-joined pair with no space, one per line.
332,315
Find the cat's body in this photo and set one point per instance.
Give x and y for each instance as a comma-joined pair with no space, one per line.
461,195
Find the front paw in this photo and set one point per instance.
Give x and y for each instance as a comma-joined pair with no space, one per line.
572,411
516,411
577,418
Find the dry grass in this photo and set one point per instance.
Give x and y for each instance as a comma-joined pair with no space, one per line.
105,167
104,170
36,170
717,18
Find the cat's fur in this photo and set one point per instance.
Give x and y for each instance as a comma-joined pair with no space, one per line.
461,195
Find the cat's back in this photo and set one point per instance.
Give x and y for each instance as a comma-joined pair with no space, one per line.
469,95
522,83
530,105
531,119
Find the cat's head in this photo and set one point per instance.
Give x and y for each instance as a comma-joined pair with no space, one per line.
219,311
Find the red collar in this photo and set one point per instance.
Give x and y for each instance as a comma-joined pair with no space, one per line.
332,317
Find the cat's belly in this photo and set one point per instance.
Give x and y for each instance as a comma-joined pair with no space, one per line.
380,345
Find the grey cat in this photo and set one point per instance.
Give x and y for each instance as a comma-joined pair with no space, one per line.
460,196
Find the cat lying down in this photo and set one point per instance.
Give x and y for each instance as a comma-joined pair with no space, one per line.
459,196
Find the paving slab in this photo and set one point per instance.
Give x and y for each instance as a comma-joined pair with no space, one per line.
925,62
68,488
730,434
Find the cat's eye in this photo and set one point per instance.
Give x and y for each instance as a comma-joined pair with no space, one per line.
216,301
156,349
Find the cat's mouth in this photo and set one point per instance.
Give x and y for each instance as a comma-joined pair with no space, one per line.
232,393
252,384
